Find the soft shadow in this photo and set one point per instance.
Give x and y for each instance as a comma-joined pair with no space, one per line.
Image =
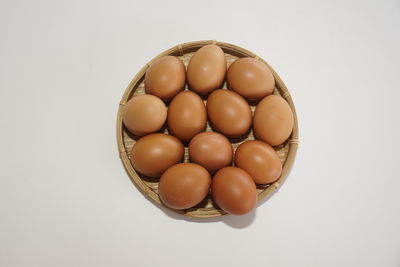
253,102
242,221
238,139
174,215
234,221
163,129
204,96
154,179
131,135
237,222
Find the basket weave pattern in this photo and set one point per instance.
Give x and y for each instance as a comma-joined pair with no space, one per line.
149,186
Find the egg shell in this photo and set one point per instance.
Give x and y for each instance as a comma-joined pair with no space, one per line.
186,115
144,114
184,185
165,77
250,78
260,160
152,154
229,113
273,120
211,150
234,190
206,70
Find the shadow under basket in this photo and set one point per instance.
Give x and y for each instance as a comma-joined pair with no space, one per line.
149,186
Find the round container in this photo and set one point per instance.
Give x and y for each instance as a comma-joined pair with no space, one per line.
149,186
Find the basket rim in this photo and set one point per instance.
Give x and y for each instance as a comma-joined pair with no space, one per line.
180,50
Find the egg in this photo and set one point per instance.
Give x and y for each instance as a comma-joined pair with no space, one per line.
259,160
234,190
165,77
211,150
144,114
250,78
184,185
273,120
186,115
206,70
229,113
152,154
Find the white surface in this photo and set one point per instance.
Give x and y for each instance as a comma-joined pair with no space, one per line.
65,199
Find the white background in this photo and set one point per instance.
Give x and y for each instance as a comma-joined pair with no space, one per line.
66,200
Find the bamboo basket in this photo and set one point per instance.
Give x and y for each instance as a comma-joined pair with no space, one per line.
149,186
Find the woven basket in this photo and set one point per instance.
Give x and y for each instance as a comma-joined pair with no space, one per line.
149,186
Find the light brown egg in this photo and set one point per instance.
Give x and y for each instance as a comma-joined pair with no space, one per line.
144,114
260,160
234,190
250,78
211,150
229,113
206,70
165,77
184,185
152,154
186,115
273,120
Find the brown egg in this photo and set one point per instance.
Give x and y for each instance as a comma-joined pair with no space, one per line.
184,185
229,113
144,114
152,154
273,120
259,160
234,190
250,78
186,115
206,70
165,77
211,150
